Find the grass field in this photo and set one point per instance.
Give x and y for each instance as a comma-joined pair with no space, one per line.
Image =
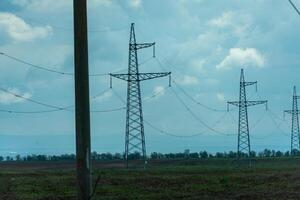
273,178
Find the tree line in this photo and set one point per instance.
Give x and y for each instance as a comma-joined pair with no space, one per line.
154,156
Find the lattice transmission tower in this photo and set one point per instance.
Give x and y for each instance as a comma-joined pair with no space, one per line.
243,126
295,135
134,134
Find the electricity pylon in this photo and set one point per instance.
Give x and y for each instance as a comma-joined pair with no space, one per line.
295,123
243,104
134,134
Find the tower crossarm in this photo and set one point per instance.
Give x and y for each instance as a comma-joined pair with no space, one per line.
250,83
246,103
140,76
253,103
148,76
143,45
292,112
124,77
235,103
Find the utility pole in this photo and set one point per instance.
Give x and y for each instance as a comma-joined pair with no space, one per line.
243,127
295,134
82,104
134,134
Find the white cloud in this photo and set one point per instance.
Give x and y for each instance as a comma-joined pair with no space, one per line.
44,5
20,2
158,91
221,97
222,21
211,81
238,57
198,64
135,3
240,24
7,98
104,96
189,80
18,30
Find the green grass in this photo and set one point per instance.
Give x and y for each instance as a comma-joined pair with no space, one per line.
277,178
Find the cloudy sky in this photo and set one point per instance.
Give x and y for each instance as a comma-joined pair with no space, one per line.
204,43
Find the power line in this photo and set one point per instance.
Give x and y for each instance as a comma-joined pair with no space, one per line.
189,96
169,133
28,112
45,68
108,110
196,117
294,6
277,125
181,136
32,100
66,108
197,102
35,66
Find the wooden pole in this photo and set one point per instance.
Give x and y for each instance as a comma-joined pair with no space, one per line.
82,104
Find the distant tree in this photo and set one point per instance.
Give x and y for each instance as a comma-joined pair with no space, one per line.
287,154
8,158
295,152
94,155
156,156
252,154
134,156
117,156
181,155
203,154
1,158
41,157
18,158
243,154
219,155
194,155
267,153
232,154
261,154
273,153
278,154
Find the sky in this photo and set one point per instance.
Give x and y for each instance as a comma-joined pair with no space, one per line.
203,43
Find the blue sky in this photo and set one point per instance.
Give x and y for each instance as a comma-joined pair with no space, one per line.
204,43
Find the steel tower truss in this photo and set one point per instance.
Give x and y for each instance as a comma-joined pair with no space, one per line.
243,127
295,123
134,134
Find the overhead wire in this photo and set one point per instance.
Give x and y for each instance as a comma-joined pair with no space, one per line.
295,7
163,131
197,102
189,96
196,117
56,108
45,68
277,126
169,133
31,100
209,108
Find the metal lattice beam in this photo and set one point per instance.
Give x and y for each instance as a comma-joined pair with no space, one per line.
134,134
243,126
295,134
